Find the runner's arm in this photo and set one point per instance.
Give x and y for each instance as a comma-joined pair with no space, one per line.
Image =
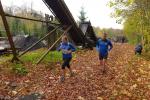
110,46
97,45
72,48
59,48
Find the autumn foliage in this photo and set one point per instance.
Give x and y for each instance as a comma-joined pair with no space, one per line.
127,78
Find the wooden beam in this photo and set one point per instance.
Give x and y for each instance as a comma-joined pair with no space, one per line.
2,13
38,41
53,45
8,15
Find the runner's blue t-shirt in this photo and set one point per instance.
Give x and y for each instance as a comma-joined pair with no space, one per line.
103,46
64,47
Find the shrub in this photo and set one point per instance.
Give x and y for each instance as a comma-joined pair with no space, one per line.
19,69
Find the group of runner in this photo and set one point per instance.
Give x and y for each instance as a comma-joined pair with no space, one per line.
103,46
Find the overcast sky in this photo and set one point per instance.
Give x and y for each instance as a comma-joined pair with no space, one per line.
97,10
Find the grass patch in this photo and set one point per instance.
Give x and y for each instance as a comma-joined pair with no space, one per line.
19,69
53,56
33,57
4,58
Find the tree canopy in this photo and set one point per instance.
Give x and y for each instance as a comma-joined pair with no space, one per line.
136,17
82,17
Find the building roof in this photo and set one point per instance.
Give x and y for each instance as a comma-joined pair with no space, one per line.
88,31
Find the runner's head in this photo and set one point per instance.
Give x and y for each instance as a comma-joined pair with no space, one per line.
104,36
64,39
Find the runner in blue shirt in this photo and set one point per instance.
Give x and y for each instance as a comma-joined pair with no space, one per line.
67,48
103,46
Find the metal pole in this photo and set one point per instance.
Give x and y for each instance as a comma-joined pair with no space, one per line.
38,41
53,45
2,13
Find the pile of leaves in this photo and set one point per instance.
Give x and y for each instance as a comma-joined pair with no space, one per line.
127,77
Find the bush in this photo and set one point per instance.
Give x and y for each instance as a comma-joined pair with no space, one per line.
19,69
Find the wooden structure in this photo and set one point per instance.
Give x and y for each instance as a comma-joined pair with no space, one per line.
67,23
2,13
89,33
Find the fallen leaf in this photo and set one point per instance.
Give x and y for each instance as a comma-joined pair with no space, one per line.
80,98
14,93
99,98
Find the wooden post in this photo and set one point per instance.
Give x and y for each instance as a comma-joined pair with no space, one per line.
53,45
47,18
2,13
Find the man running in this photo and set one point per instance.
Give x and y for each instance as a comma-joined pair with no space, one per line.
103,46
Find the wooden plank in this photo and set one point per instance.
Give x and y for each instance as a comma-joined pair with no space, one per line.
38,41
53,45
8,15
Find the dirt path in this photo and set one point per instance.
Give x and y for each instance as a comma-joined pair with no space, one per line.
128,77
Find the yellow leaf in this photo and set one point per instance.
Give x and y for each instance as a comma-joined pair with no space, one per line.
133,86
142,71
139,79
14,92
125,92
99,98
80,98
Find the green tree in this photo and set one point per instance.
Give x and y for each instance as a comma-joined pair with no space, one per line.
35,30
82,17
16,26
24,28
136,16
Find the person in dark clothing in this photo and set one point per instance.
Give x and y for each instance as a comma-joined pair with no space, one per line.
123,39
67,48
138,49
103,46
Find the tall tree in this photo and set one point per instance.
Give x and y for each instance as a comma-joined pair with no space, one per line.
82,17
136,16
24,28
16,26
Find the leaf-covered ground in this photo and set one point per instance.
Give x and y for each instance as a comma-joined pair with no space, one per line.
127,78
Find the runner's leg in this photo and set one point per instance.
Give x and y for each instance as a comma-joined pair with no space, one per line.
63,73
68,66
104,65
